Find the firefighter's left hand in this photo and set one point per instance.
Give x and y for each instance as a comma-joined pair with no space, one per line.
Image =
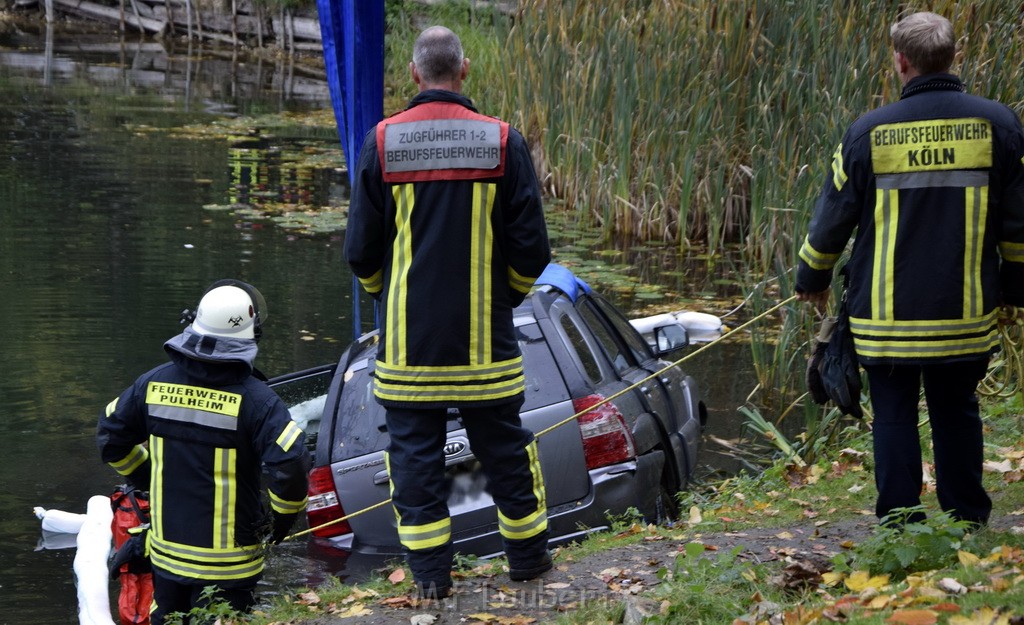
282,525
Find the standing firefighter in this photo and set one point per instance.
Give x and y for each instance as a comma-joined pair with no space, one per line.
934,185
446,229
196,432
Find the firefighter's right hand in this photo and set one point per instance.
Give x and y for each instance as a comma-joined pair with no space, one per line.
282,525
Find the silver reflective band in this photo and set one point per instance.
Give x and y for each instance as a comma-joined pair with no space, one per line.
442,144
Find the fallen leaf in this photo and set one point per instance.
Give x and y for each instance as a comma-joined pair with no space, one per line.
422,619
357,609
859,581
968,559
695,517
913,617
484,617
998,467
784,536
984,616
951,586
308,598
397,576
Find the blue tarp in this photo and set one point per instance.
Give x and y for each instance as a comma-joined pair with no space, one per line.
353,45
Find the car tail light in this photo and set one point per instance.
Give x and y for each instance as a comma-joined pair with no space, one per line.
606,439
323,506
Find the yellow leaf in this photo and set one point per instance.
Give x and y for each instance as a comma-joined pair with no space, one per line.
862,580
984,616
485,617
832,578
784,536
880,602
913,617
968,559
357,609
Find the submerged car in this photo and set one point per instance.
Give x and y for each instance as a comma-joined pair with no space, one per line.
618,427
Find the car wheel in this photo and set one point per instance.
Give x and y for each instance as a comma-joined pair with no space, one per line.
666,504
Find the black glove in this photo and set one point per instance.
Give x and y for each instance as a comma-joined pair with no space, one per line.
282,525
813,374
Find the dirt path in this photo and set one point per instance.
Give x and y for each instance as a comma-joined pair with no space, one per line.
618,574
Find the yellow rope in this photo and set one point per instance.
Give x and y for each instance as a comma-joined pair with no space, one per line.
1005,377
588,408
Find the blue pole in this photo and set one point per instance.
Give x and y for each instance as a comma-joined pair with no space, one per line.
352,32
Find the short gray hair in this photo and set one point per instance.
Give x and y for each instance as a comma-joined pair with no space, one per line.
437,55
927,40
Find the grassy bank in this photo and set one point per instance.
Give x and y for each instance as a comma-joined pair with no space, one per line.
935,572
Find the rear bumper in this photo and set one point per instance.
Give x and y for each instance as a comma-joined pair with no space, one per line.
613,488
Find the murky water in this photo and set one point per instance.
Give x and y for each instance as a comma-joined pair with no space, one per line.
104,239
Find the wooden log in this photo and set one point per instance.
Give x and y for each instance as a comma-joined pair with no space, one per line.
110,15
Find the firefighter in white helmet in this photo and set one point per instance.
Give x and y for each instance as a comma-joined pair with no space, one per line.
196,432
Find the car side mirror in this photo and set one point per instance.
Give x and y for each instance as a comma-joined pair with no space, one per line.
670,337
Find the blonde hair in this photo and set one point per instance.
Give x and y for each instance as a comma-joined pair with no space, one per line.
927,40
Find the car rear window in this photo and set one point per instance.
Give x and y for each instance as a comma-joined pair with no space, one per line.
360,427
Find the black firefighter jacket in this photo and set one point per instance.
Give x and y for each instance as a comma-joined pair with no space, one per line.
208,426
934,185
446,228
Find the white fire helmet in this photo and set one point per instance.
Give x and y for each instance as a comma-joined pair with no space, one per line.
231,309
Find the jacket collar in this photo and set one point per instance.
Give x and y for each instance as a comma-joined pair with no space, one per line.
932,82
212,358
440,95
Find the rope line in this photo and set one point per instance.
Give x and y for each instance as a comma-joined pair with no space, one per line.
584,411
1005,376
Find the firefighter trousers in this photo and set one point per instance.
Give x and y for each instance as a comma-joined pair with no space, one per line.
419,488
956,429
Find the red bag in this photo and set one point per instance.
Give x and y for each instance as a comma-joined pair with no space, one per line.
131,518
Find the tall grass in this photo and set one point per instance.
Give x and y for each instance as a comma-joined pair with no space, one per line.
707,122
712,121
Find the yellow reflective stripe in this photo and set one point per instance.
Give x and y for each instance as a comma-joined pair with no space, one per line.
536,522
156,484
931,145
468,392
480,252
450,373
924,327
425,536
926,349
519,282
886,220
815,259
202,563
224,493
134,459
286,506
111,407
401,260
289,435
976,211
207,555
1012,252
374,283
839,176
527,527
